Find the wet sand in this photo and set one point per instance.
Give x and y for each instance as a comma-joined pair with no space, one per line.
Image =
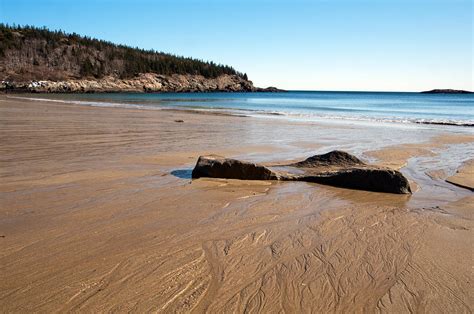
397,156
98,213
464,176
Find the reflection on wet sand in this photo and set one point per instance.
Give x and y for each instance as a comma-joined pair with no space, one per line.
98,214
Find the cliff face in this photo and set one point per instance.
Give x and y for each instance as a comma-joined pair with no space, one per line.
144,82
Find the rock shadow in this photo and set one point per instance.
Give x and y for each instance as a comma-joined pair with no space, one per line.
182,173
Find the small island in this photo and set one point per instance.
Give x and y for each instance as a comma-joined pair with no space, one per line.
447,91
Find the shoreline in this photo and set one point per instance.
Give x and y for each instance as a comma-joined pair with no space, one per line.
20,91
249,112
98,214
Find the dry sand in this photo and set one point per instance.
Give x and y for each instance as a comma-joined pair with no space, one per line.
97,214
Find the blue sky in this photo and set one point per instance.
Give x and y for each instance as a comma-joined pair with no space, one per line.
386,45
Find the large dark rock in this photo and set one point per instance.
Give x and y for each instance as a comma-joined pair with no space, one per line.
220,167
366,178
336,168
334,158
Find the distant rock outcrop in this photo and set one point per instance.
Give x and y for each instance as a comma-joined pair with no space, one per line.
270,89
336,168
447,91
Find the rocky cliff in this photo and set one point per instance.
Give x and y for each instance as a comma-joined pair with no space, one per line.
144,82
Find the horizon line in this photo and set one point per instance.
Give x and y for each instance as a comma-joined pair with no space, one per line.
366,91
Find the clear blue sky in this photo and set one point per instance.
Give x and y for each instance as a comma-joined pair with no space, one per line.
401,45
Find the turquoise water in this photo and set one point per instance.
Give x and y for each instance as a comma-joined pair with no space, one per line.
365,106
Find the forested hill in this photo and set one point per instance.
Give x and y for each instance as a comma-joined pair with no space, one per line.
30,53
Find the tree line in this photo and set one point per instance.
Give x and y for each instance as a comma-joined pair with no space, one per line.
95,57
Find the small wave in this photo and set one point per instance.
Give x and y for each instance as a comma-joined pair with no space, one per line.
312,116
455,123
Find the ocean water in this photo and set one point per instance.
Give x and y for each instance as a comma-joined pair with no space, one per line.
390,107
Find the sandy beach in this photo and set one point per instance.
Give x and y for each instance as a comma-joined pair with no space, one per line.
98,213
